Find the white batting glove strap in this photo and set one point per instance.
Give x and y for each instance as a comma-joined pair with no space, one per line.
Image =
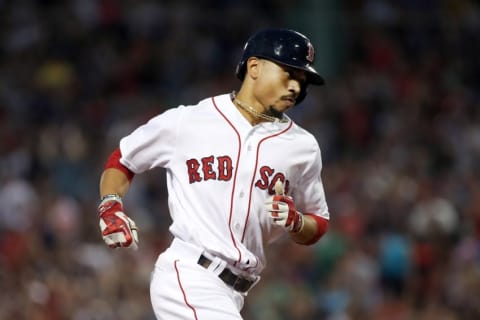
298,223
110,197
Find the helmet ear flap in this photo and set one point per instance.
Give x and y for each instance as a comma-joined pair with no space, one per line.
240,70
301,96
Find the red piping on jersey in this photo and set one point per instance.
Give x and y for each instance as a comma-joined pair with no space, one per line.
234,180
183,291
255,171
253,181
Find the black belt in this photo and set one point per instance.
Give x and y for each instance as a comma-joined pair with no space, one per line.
236,282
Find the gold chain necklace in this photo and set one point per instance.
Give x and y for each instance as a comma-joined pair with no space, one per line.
254,112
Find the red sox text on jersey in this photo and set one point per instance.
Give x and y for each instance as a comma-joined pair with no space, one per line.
221,168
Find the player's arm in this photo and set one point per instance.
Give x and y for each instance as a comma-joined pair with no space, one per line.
303,228
116,177
313,228
114,181
118,230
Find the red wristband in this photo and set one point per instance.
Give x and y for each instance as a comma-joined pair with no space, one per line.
114,162
322,226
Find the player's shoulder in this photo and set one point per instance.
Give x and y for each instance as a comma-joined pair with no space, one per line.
220,99
299,130
302,137
203,110
206,103
184,112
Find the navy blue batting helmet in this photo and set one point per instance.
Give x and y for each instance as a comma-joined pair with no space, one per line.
283,46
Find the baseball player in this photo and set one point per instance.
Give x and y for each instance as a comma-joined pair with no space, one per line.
240,174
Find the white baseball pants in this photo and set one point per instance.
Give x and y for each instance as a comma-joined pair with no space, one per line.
182,289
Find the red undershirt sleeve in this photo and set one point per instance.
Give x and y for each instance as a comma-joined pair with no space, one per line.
114,162
322,226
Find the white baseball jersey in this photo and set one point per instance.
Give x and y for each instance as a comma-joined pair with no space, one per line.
220,170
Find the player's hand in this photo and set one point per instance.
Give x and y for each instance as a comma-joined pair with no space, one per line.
118,230
282,211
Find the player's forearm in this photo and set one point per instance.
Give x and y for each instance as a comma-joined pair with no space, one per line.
114,181
313,229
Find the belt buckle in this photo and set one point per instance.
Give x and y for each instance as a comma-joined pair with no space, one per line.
239,284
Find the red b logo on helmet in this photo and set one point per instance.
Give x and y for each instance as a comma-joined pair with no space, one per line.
311,53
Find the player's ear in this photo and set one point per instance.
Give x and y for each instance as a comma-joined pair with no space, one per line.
253,67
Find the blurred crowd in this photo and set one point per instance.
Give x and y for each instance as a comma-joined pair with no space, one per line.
397,122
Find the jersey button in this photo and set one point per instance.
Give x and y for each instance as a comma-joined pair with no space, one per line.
241,194
237,226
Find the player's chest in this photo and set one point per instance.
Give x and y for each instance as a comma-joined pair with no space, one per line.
222,145
225,157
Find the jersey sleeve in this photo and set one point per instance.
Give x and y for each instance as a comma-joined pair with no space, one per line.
153,143
310,196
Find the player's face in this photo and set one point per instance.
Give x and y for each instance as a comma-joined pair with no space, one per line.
279,86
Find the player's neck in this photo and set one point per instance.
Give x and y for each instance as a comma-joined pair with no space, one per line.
253,115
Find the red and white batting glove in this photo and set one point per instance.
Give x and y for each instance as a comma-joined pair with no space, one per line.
282,211
118,230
